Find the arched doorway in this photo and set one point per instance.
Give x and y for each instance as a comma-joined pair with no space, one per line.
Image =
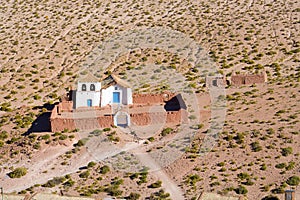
122,119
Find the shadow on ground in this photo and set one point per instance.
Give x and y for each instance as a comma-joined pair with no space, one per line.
42,122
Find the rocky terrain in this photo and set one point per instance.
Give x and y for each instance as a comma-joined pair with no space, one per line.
46,45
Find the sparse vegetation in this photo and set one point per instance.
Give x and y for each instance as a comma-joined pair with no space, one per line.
18,172
42,55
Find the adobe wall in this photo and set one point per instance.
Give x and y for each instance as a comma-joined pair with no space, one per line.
151,98
171,117
251,79
140,119
248,79
237,80
59,124
65,106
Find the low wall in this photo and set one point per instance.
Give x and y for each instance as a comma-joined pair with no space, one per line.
65,106
237,80
172,117
59,124
248,79
151,98
137,119
251,79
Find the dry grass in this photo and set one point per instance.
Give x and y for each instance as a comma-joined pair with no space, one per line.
43,45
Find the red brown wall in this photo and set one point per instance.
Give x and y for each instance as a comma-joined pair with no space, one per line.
59,124
150,98
237,80
248,79
254,79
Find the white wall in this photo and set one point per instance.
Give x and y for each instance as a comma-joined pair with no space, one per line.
83,96
88,84
107,95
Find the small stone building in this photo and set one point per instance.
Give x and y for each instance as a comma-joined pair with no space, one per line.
215,81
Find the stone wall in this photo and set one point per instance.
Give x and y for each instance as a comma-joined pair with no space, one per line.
252,79
151,98
172,117
59,124
248,79
137,119
217,81
65,106
237,80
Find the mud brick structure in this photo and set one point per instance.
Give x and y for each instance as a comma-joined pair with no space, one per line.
169,109
248,79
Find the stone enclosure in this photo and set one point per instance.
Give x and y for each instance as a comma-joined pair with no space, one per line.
146,109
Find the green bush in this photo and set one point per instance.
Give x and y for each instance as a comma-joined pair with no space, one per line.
3,135
255,146
18,172
241,190
91,164
80,143
106,129
133,196
37,145
84,174
45,137
243,175
157,184
55,181
63,137
69,183
290,166
293,181
263,167
105,169
113,191
161,194
286,151
193,179
280,165
166,131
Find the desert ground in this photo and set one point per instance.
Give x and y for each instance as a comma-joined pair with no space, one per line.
47,45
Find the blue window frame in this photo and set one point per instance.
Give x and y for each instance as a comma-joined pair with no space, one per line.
116,97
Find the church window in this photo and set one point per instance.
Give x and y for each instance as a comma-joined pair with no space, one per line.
92,87
83,88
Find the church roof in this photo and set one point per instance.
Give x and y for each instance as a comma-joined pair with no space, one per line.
113,79
88,78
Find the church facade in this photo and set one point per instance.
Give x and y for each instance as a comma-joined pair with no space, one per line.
91,93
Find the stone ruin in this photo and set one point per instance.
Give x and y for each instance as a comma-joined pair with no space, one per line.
248,79
215,81
236,80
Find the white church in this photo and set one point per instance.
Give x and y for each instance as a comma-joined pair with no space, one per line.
93,93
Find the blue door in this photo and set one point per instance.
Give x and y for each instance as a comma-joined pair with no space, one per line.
89,102
116,97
